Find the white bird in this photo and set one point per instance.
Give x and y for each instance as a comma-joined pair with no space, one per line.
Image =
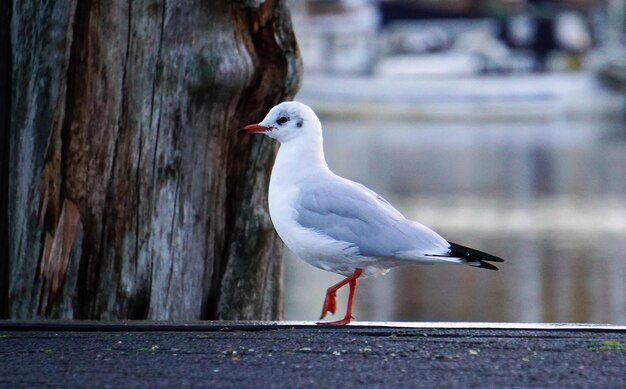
339,225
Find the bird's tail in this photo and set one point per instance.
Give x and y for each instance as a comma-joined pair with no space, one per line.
471,257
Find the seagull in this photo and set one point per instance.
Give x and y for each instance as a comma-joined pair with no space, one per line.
339,225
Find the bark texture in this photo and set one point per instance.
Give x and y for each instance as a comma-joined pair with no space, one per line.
5,105
130,195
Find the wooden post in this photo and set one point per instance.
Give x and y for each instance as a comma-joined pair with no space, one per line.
130,195
5,122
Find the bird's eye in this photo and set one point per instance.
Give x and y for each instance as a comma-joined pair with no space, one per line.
282,120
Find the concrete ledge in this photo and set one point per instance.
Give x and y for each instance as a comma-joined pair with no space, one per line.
302,354
144,325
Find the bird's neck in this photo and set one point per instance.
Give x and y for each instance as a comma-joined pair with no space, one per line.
299,159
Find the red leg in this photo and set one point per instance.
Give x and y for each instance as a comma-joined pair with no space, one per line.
330,302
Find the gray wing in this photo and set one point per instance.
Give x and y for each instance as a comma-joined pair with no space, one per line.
349,212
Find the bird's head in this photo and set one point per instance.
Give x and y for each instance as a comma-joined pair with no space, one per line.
287,121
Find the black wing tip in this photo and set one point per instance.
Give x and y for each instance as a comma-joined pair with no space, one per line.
474,257
487,265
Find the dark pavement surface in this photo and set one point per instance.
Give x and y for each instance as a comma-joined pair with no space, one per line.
232,355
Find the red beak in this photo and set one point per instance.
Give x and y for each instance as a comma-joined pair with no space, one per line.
254,128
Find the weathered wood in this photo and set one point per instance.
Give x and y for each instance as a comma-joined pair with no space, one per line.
128,110
5,104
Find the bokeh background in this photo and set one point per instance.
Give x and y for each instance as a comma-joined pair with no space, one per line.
501,125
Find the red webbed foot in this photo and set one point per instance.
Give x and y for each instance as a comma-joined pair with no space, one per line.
330,304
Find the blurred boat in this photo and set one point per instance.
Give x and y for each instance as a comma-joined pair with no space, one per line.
487,97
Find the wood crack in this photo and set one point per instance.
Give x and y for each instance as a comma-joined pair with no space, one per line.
172,226
158,72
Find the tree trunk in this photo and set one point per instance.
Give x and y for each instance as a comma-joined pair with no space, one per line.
5,104
130,195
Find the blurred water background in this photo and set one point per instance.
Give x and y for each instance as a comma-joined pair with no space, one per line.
501,145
